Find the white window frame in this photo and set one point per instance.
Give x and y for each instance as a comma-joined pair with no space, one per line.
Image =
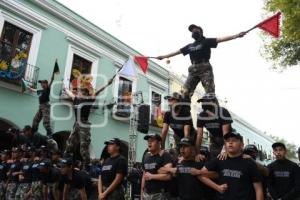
72,49
116,85
158,91
34,30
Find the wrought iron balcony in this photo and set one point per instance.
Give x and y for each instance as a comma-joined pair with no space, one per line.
16,71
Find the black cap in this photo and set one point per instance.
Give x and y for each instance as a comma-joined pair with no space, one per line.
208,98
192,26
115,141
186,142
250,148
174,95
233,135
45,164
6,152
43,81
66,162
153,135
278,144
298,151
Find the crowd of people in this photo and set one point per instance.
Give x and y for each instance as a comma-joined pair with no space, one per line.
35,169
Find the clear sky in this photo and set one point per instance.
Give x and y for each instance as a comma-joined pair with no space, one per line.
267,99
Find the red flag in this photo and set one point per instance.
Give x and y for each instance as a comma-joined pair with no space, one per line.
271,25
143,62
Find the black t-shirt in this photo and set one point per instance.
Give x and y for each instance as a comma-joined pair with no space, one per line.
27,172
35,176
199,50
189,187
82,108
239,174
4,167
111,167
77,181
284,179
51,177
214,123
151,164
43,95
178,122
15,167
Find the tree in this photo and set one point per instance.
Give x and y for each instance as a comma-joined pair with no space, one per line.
285,51
290,147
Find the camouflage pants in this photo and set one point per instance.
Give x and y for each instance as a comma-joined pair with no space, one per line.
216,146
22,191
203,73
42,113
74,194
11,191
118,193
80,136
37,190
2,190
156,196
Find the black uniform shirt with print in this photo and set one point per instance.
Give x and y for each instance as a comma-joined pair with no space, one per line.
82,108
15,167
44,95
151,164
111,167
4,167
178,122
35,176
200,49
284,179
27,172
214,123
239,174
77,181
189,186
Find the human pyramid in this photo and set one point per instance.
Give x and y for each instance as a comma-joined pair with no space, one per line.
225,170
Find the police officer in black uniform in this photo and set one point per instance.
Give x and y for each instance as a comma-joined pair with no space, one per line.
284,177
23,191
114,171
239,178
49,177
4,167
188,185
74,181
153,182
13,174
217,120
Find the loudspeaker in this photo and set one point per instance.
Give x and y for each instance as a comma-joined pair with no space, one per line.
143,118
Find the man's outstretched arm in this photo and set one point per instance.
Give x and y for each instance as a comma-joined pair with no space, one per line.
175,53
231,37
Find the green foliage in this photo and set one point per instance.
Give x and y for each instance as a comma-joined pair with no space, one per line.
284,51
291,148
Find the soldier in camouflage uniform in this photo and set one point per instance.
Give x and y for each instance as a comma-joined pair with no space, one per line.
83,100
36,192
199,51
13,174
44,106
4,167
24,187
